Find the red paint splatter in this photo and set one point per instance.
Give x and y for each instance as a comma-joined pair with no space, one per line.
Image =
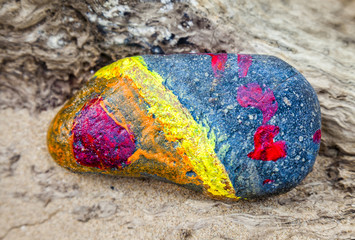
317,136
265,147
99,141
218,62
267,181
253,96
244,62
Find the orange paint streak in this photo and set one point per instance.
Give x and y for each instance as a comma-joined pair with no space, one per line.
123,121
151,140
155,155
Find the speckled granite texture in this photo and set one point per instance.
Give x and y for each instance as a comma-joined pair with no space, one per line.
215,101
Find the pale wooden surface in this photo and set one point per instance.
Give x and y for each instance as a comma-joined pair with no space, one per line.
48,48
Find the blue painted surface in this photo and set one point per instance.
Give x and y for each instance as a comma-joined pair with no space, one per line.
213,101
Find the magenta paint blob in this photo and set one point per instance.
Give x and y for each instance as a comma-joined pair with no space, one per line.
317,136
252,96
244,62
265,147
268,181
99,141
218,62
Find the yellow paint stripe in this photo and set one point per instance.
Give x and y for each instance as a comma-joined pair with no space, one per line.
177,123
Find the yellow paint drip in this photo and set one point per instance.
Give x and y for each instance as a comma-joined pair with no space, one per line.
177,124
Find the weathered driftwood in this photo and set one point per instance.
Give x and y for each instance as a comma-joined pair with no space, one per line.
48,48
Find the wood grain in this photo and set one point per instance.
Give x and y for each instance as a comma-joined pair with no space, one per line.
49,48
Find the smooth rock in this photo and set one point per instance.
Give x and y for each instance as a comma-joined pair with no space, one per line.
230,125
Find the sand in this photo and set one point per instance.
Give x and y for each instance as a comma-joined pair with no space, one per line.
40,200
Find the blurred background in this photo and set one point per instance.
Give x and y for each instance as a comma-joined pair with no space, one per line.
50,48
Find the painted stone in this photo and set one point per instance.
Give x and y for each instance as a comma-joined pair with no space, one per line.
229,125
